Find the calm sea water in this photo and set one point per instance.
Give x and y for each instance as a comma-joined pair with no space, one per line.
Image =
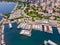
6,7
12,36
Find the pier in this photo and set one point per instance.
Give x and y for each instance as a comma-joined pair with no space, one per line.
2,36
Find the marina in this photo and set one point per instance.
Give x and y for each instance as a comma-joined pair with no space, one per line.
19,33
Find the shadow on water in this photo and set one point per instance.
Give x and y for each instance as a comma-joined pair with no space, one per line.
12,36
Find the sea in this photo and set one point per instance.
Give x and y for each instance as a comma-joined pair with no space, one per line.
12,36
6,7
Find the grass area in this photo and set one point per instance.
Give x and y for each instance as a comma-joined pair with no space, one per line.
34,14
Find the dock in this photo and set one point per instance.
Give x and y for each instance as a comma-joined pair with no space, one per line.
2,36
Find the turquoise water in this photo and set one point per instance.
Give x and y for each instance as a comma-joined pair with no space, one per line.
6,7
12,36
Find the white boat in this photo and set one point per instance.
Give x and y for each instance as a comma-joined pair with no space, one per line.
45,42
26,32
40,27
10,25
37,27
21,25
50,29
45,30
58,30
49,42
34,27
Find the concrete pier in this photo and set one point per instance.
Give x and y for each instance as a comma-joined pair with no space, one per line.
2,36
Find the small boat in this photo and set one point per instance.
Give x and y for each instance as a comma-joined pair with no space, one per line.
10,25
40,27
37,27
58,30
49,42
50,29
45,29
